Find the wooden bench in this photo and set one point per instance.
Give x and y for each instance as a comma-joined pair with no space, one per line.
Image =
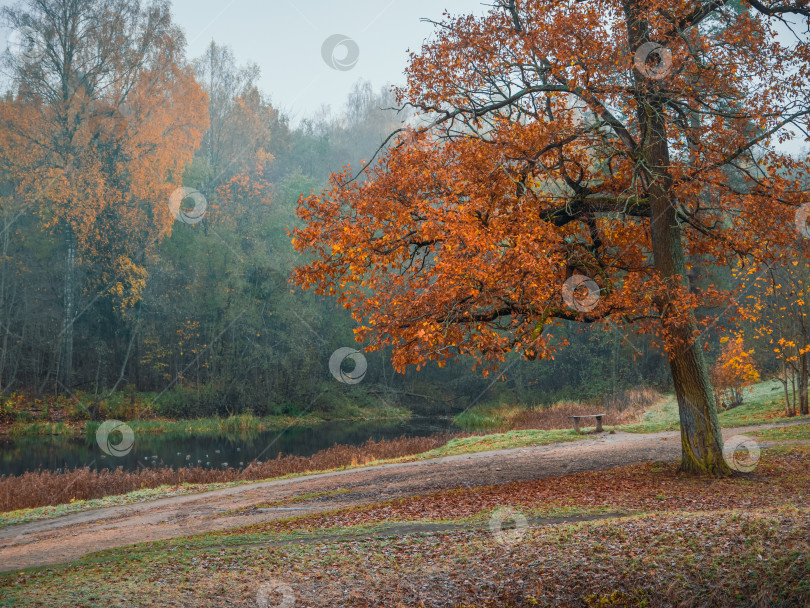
598,421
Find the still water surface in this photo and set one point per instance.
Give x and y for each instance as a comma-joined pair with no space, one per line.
61,453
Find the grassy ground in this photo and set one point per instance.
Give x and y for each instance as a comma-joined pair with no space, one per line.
663,416
799,432
663,539
498,441
486,417
763,404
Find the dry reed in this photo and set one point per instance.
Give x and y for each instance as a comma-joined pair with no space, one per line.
43,488
623,408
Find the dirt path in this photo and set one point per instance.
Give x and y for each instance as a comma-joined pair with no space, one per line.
69,537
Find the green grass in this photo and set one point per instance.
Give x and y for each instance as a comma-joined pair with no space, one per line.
243,424
499,441
757,412
797,432
486,417
663,416
762,405
38,429
290,500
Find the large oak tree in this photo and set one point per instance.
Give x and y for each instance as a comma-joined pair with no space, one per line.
616,145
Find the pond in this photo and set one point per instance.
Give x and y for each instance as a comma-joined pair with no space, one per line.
54,452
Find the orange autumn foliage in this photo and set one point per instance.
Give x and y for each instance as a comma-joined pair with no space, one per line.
459,239
779,312
734,370
99,159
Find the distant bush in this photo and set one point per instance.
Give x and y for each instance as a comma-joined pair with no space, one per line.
8,414
182,402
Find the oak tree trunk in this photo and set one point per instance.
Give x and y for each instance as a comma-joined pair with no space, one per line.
701,440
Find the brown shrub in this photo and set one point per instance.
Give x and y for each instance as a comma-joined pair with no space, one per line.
623,408
42,488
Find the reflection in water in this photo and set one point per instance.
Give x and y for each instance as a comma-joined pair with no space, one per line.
60,453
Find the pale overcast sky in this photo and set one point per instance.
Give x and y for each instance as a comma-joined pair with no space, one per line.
285,38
